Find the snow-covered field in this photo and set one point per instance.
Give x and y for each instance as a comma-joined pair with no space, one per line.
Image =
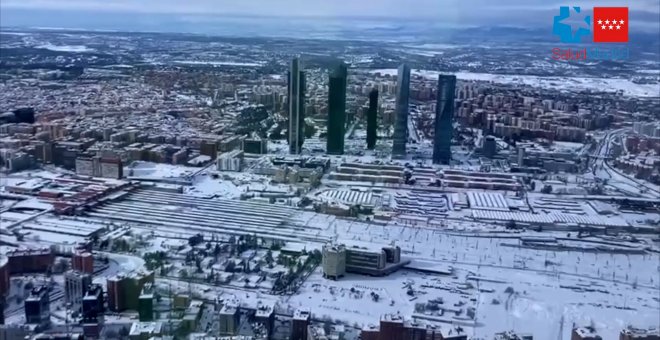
612,290
557,83
217,63
66,48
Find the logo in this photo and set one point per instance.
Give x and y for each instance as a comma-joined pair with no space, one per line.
567,32
573,26
610,24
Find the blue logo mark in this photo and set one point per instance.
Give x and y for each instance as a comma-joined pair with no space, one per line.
578,26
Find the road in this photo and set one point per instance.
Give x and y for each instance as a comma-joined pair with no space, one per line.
622,182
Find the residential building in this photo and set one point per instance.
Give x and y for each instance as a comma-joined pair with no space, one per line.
37,306
230,161
334,261
145,330
584,333
124,290
300,324
255,145
395,327
230,319
632,333
489,147
83,262
75,286
93,304
146,303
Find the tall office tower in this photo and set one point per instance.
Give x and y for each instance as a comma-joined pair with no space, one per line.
400,135
337,109
444,118
372,119
296,98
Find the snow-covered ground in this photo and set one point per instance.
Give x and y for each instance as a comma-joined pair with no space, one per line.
66,48
158,170
547,284
558,83
217,63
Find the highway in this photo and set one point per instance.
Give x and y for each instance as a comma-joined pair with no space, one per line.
617,179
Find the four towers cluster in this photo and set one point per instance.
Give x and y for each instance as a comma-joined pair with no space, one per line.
337,83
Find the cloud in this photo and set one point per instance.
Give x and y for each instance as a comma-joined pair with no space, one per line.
325,8
531,13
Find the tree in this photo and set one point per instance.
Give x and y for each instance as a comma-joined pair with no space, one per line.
511,224
310,130
547,189
195,240
62,265
183,273
123,332
316,256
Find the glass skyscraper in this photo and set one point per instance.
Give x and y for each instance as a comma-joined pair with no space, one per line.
372,119
444,119
296,103
337,109
400,135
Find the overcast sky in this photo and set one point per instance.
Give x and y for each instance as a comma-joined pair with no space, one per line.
457,12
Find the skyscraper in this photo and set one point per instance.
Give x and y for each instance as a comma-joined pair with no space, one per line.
337,109
372,119
296,98
400,135
444,118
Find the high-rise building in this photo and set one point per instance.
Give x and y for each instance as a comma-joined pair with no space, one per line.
2,310
255,145
444,118
37,306
146,303
83,261
372,119
4,276
337,109
230,320
300,323
296,98
489,147
334,261
400,135
124,290
75,285
92,307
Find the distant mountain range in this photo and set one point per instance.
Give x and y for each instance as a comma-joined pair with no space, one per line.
373,29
